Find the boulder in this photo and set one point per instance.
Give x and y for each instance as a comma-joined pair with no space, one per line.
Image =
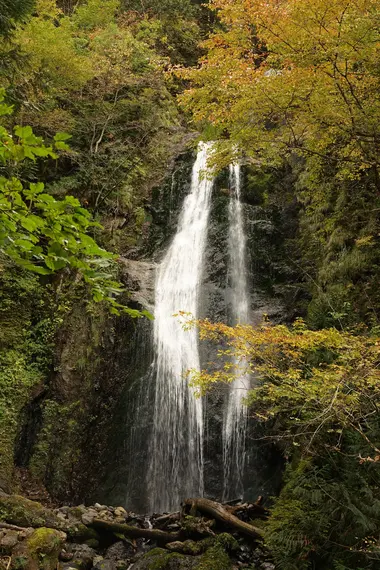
160,559
83,556
80,533
41,550
120,551
22,512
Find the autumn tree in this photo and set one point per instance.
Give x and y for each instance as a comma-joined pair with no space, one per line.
294,76
317,396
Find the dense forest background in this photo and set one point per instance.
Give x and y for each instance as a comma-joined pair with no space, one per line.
99,98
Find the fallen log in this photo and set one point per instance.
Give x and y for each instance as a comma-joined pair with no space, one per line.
219,513
136,532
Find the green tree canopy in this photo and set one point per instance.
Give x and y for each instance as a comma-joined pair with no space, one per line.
12,11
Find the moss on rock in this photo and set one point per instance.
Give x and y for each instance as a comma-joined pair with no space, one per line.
20,511
41,550
160,559
81,533
215,558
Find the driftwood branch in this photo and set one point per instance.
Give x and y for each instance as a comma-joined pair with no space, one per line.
221,514
136,532
11,526
248,510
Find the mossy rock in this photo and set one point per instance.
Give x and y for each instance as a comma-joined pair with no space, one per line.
40,551
17,510
160,559
80,533
215,558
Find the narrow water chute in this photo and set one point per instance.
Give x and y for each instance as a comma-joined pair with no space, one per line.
235,414
176,452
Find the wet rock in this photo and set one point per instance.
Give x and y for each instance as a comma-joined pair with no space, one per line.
139,276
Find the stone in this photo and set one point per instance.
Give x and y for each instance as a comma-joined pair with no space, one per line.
83,556
120,512
41,550
65,556
9,540
267,566
87,518
120,550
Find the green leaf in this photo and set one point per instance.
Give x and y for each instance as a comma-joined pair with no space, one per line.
62,137
23,132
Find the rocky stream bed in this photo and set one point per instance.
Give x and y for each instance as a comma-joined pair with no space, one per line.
204,535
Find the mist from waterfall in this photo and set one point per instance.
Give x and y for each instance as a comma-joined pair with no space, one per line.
176,451
235,415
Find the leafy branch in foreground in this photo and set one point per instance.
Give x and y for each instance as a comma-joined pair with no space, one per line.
318,383
45,235
317,395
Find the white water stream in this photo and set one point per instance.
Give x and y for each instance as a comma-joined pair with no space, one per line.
235,417
176,454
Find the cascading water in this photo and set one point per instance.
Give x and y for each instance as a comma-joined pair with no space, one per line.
176,464
235,417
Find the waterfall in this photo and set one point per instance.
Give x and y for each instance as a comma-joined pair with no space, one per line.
176,453
235,417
